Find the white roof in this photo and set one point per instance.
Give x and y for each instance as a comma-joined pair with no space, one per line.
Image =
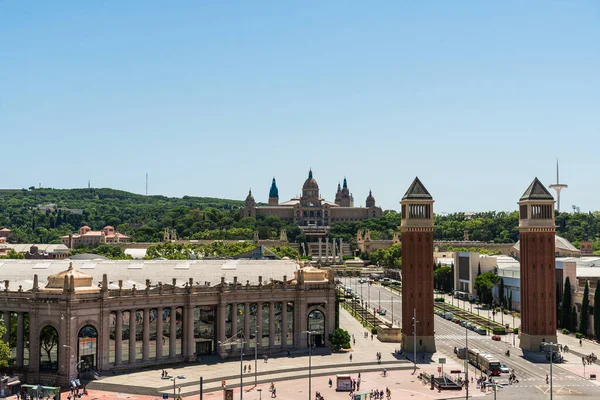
20,272
559,242
48,248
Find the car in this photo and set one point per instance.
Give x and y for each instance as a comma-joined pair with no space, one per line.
496,338
382,312
504,369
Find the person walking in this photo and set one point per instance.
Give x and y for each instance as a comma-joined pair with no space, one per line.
350,357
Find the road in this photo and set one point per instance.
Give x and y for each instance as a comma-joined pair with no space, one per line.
531,372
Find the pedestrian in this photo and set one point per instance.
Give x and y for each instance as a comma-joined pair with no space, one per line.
245,369
350,357
546,379
580,343
371,337
249,368
330,382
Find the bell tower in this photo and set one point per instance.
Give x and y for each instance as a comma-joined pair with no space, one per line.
417,268
273,194
538,267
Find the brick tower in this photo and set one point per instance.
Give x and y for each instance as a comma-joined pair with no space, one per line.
538,267
417,268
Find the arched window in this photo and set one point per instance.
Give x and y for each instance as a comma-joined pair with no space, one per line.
49,349
316,324
87,348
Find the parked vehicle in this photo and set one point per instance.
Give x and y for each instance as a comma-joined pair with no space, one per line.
504,369
496,338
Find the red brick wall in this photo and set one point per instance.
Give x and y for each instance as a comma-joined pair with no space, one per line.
417,280
538,283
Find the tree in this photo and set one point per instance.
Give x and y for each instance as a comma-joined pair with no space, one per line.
48,340
340,339
442,279
484,284
510,300
566,305
573,322
584,318
286,251
478,269
597,310
4,348
558,301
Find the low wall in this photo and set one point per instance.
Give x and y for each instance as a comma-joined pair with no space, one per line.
389,335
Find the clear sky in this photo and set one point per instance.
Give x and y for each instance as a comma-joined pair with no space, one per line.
213,97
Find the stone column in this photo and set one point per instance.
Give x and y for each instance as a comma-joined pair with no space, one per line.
119,337
259,324
272,324
173,332
34,340
7,326
341,250
221,334
20,341
234,326
132,336
284,323
159,332
327,248
247,325
319,249
146,335
188,329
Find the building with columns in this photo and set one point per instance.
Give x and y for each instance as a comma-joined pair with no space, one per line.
417,269
68,318
310,209
538,267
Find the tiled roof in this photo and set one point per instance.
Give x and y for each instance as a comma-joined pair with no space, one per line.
536,191
417,191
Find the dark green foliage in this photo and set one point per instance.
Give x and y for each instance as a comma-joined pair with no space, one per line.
144,218
573,322
584,318
443,279
484,284
340,339
105,250
597,310
567,305
390,257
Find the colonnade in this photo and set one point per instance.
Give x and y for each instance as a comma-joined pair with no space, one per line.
20,333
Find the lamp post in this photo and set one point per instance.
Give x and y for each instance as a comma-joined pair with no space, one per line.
551,356
467,361
256,355
362,311
241,342
310,333
72,355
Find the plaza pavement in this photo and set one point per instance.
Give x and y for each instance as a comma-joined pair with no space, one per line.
290,374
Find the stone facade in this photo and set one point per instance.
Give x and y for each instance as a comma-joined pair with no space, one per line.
310,209
538,267
113,324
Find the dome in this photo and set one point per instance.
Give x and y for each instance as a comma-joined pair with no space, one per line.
249,197
81,281
370,200
310,182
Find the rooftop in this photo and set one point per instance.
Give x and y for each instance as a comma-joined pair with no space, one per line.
20,272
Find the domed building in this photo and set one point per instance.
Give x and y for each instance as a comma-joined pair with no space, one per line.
310,210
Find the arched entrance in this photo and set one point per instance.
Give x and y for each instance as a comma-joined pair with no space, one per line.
87,349
49,349
316,324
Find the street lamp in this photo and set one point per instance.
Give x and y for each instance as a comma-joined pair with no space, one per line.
256,355
241,342
174,379
310,334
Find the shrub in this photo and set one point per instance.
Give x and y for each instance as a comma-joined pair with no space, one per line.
340,339
579,335
499,331
439,299
516,331
565,331
374,331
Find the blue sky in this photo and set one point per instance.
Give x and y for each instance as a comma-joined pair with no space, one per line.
213,97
